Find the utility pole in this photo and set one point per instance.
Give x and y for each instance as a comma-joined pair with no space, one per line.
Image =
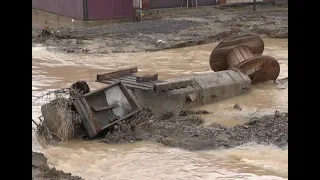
254,5
140,10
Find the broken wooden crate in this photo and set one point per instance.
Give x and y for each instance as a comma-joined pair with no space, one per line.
103,108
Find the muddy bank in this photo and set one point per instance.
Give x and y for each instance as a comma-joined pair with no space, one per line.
41,170
187,132
176,28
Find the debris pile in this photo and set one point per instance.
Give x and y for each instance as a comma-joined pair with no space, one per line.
188,132
77,112
57,121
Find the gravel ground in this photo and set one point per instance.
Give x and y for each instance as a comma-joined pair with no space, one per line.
176,28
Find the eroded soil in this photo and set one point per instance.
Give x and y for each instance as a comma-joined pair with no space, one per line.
41,170
187,132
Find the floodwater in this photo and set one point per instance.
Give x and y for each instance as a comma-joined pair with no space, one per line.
146,160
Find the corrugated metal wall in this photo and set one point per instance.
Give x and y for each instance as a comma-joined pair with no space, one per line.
157,4
240,1
109,9
145,4
68,8
206,2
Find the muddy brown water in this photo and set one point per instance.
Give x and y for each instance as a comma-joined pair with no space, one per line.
146,160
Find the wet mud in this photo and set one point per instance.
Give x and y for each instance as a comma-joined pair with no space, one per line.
187,132
175,29
41,170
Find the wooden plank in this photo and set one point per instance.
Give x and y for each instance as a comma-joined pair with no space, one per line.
111,81
88,124
115,74
133,79
127,78
129,86
91,116
147,78
133,83
131,100
97,108
169,85
133,76
130,76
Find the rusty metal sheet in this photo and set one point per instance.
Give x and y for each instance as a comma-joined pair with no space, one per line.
69,8
84,114
131,82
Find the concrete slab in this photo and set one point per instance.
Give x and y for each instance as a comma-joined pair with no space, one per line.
206,88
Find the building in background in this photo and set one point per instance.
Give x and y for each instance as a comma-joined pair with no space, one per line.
87,10
92,10
239,1
157,4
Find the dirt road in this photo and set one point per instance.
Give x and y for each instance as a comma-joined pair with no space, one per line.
174,29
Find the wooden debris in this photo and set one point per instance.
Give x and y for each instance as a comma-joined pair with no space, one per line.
115,74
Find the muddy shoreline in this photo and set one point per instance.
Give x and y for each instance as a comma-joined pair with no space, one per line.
41,170
175,29
186,131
